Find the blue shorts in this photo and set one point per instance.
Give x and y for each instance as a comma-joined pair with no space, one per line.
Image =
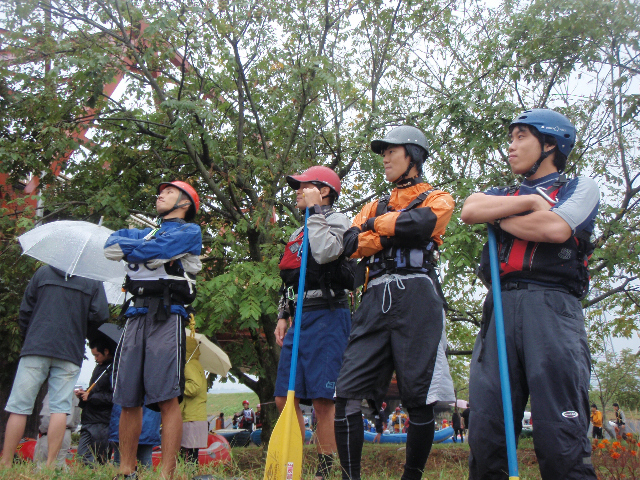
32,372
323,337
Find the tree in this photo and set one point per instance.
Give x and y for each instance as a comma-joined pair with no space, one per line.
617,378
14,276
234,95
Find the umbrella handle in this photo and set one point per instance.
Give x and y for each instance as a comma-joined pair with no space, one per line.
97,380
503,362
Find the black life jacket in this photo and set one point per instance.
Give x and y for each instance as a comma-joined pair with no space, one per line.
163,292
173,291
336,275
562,264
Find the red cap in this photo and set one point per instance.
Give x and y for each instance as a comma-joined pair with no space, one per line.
246,401
318,174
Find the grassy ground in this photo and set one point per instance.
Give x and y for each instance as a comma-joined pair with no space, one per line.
229,403
379,462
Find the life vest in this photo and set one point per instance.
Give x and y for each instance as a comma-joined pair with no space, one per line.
421,259
337,275
562,264
170,282
248,415
417,259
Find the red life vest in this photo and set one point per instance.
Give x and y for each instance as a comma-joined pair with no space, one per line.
337,275
563,264
292,257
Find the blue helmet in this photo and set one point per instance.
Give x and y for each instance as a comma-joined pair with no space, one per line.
550,123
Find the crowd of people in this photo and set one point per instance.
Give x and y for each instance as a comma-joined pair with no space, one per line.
398,327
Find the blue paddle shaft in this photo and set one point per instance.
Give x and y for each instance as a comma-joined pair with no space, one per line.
298,317
502,354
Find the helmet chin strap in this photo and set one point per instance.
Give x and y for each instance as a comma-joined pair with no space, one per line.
402,178
175,207
534,168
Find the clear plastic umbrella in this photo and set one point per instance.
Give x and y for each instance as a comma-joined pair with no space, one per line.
74,247
115,295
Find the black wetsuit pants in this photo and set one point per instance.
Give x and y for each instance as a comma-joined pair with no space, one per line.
549,360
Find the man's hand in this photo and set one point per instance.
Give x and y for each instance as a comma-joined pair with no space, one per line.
539,204
312,196
281,327
81,394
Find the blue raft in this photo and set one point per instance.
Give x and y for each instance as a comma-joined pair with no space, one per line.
439,436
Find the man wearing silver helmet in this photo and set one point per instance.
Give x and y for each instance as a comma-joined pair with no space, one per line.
543,230
399,325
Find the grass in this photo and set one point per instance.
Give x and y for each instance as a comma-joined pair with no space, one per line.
379,462
229,403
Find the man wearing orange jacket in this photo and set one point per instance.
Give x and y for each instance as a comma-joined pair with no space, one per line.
400,322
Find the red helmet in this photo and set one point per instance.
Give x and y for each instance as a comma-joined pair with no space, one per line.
384,404
189,191
397,409
246,402
318,174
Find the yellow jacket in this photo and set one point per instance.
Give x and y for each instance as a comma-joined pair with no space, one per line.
194,402
596,418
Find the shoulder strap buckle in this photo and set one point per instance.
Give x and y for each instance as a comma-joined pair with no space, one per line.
383,204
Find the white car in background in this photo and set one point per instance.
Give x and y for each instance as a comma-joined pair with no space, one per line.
526,421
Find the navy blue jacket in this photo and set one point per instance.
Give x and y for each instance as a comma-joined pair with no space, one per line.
57,314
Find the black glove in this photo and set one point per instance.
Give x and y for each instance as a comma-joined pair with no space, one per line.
368,225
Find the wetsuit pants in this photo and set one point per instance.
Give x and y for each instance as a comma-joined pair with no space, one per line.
399,326
549,360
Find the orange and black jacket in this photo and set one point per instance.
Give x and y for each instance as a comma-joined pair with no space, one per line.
415,228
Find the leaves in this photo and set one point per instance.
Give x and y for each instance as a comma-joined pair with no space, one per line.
234,96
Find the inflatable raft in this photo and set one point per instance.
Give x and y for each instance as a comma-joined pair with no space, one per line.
439,436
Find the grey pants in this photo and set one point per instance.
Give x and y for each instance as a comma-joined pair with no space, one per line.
93,446
41,451
549,361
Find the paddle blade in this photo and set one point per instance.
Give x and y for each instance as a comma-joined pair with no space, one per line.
284,457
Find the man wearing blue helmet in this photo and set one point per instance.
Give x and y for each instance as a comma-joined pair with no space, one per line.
543,229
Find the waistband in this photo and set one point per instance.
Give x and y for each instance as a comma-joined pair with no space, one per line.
521,285
388,277
336,294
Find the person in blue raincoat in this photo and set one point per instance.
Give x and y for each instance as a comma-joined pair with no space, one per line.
149,436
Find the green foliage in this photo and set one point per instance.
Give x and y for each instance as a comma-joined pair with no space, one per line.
233,96
15,273
617,379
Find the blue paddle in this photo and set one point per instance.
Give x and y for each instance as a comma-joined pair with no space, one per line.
502,355
284,457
